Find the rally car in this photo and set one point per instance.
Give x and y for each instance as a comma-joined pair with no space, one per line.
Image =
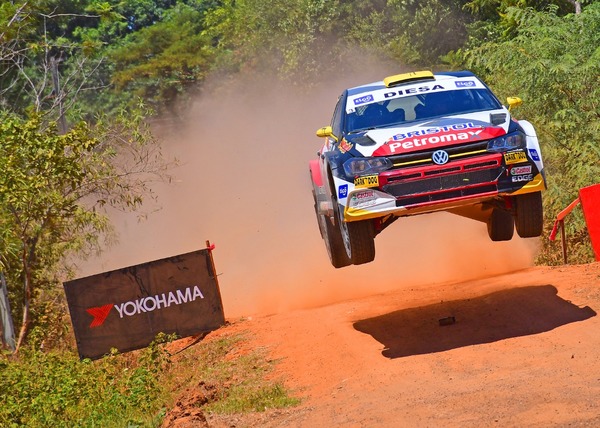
421,142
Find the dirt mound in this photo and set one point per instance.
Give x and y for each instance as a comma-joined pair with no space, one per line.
187,411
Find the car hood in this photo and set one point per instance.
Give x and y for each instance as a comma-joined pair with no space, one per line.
432,134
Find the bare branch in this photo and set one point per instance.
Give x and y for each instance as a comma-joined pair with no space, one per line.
17,13
79,15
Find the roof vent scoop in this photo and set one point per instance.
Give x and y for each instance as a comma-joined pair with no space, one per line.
399,79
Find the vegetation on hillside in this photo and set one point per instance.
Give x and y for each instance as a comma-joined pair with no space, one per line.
54,389
79,79
553,63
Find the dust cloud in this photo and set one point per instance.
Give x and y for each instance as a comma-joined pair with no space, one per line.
243,184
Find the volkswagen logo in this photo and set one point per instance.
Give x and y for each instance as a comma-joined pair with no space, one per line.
440,157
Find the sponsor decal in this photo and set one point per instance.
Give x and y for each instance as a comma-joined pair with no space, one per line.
534,155
345,146
125,308
440,157
343,191
367,181
436,130
100,314
411,91
441,136
520,170
465,84
363,199
363,100
519,178
515,157
383,94
145,304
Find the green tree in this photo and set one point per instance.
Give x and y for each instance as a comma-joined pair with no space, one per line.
412,32
52,187
166,60
46,65
553,63
296,37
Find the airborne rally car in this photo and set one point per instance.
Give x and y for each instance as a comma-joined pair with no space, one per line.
417,143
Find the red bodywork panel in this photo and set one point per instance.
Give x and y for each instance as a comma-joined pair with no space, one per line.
315,172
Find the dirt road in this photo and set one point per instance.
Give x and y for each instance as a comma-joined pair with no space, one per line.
523,351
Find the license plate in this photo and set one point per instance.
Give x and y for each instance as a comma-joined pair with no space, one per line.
367,181
515,157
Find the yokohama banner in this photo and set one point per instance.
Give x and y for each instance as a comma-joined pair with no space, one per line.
126,308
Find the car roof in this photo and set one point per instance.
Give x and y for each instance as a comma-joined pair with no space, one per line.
447,75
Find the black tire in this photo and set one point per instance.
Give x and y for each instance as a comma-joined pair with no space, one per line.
359,240
500,225
332,236
529,214
319,223
334,243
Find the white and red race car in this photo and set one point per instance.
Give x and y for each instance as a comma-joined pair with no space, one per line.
421,142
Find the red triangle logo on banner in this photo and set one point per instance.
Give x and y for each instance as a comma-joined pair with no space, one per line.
99,313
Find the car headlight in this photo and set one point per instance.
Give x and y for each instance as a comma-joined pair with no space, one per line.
361,166
515,140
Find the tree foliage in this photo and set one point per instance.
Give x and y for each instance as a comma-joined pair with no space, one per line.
295,37
166,60
553,63
51,187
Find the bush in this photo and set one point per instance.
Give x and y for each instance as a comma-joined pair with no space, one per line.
42,389
553,64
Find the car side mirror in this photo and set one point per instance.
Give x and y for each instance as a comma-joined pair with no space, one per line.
325,131
513,102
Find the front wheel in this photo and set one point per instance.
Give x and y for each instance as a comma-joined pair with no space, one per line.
528,212
331,234
334,243
359,240
500,225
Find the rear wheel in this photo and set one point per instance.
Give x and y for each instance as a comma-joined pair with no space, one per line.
500,225
359,239
529,214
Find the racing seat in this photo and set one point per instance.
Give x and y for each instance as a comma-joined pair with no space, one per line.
436,104
398,115
423,112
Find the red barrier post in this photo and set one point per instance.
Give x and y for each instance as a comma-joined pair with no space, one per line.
590,203
560,222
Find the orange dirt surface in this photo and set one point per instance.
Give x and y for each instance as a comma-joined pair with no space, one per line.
523,351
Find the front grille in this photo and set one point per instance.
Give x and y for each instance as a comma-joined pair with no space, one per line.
463,151
415,180
444,196
435,170
469,179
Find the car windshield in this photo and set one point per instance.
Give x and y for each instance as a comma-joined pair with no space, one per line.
420,107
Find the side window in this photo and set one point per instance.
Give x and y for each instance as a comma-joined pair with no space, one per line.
336,121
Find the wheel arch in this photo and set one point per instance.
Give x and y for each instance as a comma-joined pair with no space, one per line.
315,173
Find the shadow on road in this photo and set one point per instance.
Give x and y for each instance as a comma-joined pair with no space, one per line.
496,316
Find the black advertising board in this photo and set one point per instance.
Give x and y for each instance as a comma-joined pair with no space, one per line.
126,308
